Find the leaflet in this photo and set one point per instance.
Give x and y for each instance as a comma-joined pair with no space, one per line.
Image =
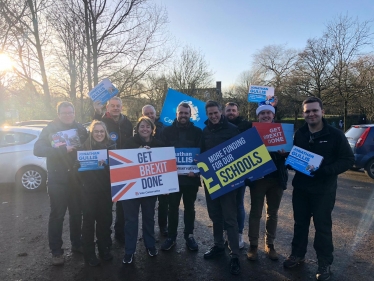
66,138
303,160
186,160
92,159
103,91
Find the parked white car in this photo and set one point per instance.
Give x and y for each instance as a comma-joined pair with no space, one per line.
18,164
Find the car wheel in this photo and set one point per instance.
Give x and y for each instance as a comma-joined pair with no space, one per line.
369,168
31,178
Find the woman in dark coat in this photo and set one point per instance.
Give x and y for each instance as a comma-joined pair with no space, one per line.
97,199
143,138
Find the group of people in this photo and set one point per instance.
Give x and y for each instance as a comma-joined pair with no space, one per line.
89,192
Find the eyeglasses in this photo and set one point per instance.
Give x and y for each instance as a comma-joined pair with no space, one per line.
67,113
98,132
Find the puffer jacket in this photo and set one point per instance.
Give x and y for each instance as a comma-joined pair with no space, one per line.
188,136
59,162
337,154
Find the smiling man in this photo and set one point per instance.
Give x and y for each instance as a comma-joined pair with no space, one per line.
223,209
315,196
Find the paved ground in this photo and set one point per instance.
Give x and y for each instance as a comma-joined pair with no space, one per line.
24,253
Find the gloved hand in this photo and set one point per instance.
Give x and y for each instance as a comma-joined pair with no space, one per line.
318,173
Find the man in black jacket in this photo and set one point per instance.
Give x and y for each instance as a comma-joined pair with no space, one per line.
183,134
120,129
63,186
221,210
315,196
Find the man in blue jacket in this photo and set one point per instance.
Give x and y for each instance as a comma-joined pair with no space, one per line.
63,185
315,196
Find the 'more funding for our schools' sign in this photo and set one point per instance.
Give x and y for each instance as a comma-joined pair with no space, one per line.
141,172
226,166
260,94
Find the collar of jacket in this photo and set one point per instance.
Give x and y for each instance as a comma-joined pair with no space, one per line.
325,130
221,124
64,126
179,125
138,139
109,117
237,120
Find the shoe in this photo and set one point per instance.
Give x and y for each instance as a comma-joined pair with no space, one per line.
225,237
120,238
271,253
77,250
152,252
234,266
191,243
168,244
105,254
293,261
252,254
214,252
241,242
58,259
164,231
323,272
128,258
93,261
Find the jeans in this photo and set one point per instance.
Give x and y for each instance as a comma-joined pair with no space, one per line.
163,206
222,210
131,209
240,210
319,206
271,190
189,197
97,210
63,197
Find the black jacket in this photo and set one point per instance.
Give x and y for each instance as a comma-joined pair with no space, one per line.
97,180
59,162
338,157
118,131
281,174
215,134
188,136
241,123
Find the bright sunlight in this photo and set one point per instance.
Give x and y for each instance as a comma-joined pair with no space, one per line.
5,62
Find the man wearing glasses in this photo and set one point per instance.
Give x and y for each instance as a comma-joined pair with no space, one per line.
63,186
315,196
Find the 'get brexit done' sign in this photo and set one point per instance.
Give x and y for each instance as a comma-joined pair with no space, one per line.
225,166
141,172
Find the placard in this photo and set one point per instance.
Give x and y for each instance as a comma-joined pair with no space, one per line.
261,94
66,138
275,136
169,110
303,160
92,159
142,172
103,91
186,160
225,166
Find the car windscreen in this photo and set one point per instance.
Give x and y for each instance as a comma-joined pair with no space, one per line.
354,133
15,138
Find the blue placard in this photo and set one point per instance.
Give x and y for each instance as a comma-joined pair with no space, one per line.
303,160
225,166
186,160
103,91
173,98
261,94
90,160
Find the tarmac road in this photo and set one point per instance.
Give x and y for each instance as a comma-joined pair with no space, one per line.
24,252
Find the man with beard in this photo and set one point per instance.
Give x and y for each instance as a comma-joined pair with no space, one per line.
119,129
183,134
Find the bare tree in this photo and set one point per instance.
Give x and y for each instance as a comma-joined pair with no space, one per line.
190,72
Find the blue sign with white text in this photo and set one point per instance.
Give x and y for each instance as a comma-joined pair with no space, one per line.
226,166
173,98
186,160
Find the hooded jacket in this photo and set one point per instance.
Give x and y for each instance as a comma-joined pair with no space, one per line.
179,136
118,131
241,123
337,154
59,162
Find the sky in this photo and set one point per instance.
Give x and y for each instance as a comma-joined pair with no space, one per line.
228,33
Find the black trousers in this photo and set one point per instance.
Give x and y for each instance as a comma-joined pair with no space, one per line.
97,211
222,210
163,206
319,206
119,225
188,193
63,197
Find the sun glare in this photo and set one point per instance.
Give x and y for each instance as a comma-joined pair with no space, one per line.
5,62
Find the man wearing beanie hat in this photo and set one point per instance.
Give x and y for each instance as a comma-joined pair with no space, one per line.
270,187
